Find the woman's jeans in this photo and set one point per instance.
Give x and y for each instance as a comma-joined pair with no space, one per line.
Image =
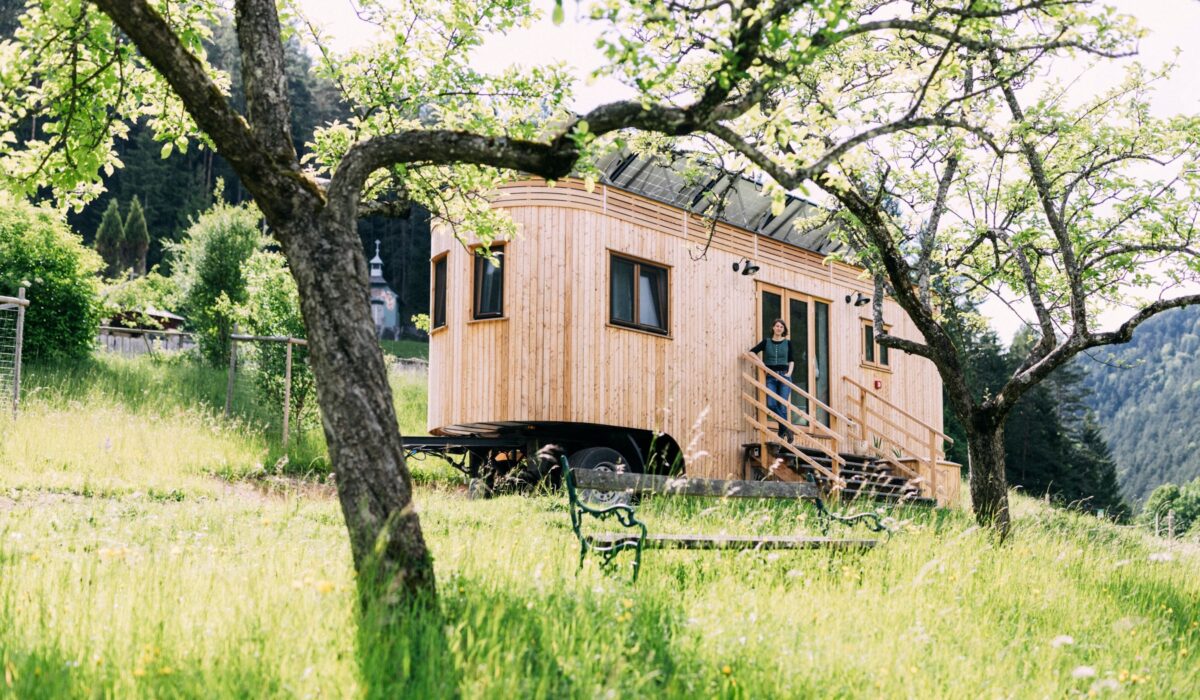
774,405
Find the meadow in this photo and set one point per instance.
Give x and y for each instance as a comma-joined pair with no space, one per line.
151,548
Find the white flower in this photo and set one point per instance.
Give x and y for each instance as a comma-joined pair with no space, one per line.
1083,672
1062,640
1161,556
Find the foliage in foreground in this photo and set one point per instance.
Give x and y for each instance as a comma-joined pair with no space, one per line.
39,252
129,571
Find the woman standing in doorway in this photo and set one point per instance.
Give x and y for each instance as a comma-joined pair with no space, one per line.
777,356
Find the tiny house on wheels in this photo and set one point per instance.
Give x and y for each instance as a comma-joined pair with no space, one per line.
618,323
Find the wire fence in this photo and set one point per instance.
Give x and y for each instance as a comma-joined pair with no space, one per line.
12,337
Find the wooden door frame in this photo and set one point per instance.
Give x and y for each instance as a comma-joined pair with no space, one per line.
786,295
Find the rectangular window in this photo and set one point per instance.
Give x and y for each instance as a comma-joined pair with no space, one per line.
873,353
638,295
489,284
438,314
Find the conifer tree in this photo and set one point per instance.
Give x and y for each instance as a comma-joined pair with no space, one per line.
110,240
1096,461
137,239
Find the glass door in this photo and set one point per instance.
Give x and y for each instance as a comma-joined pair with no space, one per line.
808,328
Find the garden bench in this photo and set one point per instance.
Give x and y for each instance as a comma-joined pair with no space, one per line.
610,544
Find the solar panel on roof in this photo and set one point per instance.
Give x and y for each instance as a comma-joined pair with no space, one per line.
741,199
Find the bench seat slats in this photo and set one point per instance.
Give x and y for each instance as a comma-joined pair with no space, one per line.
657,541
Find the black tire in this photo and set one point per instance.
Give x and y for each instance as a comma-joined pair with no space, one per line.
604,459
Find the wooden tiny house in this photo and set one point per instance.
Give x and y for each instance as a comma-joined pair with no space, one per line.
613,321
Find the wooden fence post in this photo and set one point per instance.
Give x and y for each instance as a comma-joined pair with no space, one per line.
287,391
232,371
20,339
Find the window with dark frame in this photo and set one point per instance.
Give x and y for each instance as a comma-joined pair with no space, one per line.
638,295
438,319
489,284
874,353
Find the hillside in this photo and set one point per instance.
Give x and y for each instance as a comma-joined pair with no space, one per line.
1147,395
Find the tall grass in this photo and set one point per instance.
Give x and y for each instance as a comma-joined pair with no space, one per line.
174,584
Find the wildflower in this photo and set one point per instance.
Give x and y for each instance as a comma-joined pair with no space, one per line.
324,586
166,671
1062,640
1102,685
628,603
1161,556
726,669
139,672
1083,672
1183,651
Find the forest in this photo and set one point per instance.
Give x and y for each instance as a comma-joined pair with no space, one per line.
173,187
1146,395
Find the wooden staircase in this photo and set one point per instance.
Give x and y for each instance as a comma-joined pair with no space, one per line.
862,476
876,450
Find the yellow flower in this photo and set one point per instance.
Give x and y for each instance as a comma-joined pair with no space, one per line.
166,671
324,586
628,603
726,669
139,672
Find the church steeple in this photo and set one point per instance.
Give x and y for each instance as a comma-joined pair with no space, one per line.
376,264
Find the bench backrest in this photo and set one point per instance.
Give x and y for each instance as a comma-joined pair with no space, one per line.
633,483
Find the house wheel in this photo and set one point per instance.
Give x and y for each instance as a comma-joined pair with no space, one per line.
603,459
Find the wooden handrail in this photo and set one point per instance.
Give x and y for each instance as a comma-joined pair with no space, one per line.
797,431
836,479
901,411
813,422
893,424
787,382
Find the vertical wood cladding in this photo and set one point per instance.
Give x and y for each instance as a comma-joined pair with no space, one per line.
554,356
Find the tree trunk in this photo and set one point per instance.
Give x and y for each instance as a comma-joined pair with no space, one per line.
989,487
363,437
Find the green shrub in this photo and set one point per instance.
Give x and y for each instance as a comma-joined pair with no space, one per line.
38,251
1183,500
272,308
208,269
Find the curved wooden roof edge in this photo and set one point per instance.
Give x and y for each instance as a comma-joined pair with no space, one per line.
614,200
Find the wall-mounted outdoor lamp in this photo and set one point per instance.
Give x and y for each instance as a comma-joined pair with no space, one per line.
859,299
747,267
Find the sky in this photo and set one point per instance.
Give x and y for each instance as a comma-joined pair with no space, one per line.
1172,25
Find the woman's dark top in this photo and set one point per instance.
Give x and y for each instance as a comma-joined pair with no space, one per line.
776,355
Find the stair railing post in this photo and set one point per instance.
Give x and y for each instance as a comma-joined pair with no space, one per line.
933,463
763,417
862,415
